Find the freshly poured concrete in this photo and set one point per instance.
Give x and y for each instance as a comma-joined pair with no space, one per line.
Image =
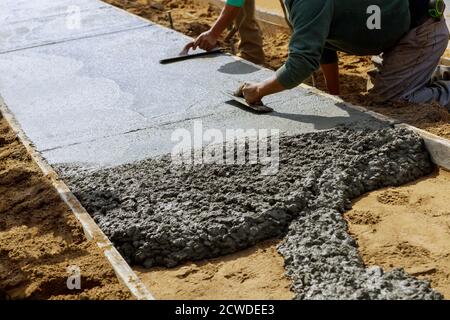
103,100
160,214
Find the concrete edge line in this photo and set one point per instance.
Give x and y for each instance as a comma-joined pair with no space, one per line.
92,231
438,147
69,39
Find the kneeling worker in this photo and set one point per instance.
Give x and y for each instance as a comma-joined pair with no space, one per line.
242,14
411,34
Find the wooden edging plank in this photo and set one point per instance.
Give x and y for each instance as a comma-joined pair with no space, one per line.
92,231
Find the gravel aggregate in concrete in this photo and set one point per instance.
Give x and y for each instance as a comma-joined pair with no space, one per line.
158,214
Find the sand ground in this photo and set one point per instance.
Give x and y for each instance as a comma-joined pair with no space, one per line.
255,273
407,227
270,5
40,237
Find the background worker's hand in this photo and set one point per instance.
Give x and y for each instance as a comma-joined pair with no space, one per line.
206,41
251,93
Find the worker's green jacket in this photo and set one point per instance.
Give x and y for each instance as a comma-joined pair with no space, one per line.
322,27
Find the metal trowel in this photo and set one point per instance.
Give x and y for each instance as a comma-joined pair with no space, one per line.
184,54
238,97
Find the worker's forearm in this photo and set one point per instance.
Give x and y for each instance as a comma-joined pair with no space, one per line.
331,74
270,86
226,18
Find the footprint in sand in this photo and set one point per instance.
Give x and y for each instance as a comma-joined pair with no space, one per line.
363,217
406,249
393,197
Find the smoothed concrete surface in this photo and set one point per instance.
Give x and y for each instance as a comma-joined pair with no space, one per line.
90,92
154,141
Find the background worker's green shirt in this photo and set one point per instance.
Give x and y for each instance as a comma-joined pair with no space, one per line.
322,27
235,3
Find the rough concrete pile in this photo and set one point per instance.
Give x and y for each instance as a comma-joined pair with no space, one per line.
158,214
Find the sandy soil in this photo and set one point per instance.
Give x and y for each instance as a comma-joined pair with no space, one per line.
255,273
270,5
407,227
40,238
192,18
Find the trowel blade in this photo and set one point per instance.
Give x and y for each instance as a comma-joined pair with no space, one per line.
185,56
257,108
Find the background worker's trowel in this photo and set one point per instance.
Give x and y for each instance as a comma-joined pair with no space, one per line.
237,96
184,55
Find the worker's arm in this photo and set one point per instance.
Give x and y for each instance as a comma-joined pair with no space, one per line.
311,22
254,92
330,69
208,39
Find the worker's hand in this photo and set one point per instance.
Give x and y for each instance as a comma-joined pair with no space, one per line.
206,41
252,93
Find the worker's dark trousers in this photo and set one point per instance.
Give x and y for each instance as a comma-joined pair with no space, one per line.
250,46
406,71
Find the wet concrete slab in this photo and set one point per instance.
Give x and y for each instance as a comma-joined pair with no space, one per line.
66,26
109,92
160,214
